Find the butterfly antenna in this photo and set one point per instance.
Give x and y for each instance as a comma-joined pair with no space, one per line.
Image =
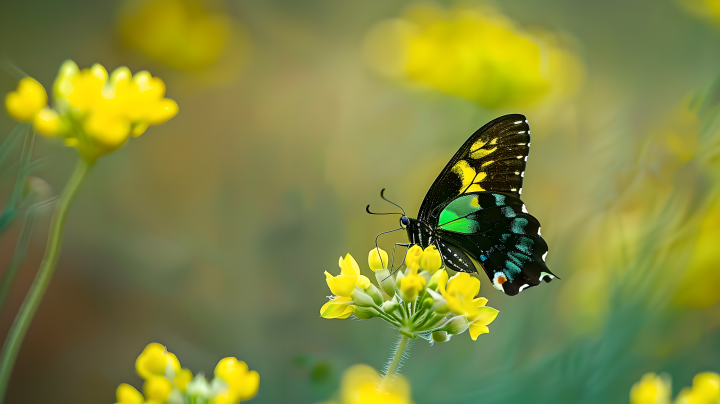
383,196
367,209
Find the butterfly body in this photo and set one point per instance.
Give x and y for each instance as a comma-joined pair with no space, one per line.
473,212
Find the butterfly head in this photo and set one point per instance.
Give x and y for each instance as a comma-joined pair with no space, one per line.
404,222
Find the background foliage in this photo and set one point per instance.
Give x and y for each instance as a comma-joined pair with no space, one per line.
211,234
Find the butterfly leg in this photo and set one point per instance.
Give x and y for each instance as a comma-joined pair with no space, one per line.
392,265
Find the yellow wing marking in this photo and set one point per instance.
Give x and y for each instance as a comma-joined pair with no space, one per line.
480,153
469,177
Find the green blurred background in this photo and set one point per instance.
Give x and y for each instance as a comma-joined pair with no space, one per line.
211,232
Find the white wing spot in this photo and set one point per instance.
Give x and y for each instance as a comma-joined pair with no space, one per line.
524,209
522,174
513,189
517,172
526,121
521,132
519,157
523,287
520,191
529,144
544,274
518,122
539,232
528,132
525,158
544,255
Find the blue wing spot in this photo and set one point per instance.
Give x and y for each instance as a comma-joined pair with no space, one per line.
505,237
483,258
512,269
520,258
525,245
507,211
499,199
518,225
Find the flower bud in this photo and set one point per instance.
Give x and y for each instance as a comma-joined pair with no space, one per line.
361,299
364,313
198,387
385,280
430,260
373,292
440,336
377,259
411,286
456,325
389,306
428,303
398,277
412,259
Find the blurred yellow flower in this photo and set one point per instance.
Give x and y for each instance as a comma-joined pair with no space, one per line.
378,259
361,384
430,260
27,101
154,361
127,394
651,389
344,284
183,34
705,390
166,382
708,9
242,383
472,52
157,388
95,113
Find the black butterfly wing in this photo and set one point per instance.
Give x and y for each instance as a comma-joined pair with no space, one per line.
495,230
492,159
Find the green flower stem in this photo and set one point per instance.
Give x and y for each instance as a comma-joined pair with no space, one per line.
42,279
387,380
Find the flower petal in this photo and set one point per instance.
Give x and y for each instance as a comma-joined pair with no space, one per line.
483,315
476,330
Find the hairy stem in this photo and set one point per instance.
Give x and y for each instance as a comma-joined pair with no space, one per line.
42,279
387,380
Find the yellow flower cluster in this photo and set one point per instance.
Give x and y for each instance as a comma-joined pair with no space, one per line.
656,389
474,53
419,302
166,381
94,112
361,384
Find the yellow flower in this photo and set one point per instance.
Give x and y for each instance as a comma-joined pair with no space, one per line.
705,390
242,383
430,260
412,259
27,101
651,389
349,278
410,286
361,384
94,111
378,259
127,394
154,361
337,308
182,378
472,52
158,389
460,293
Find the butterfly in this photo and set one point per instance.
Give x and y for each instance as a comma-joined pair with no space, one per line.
473,212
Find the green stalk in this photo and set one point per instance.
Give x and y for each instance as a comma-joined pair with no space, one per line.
387,380
42,279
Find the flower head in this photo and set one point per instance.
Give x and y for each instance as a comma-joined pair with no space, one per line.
94,112
651,389
378,259
166,381
418,302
